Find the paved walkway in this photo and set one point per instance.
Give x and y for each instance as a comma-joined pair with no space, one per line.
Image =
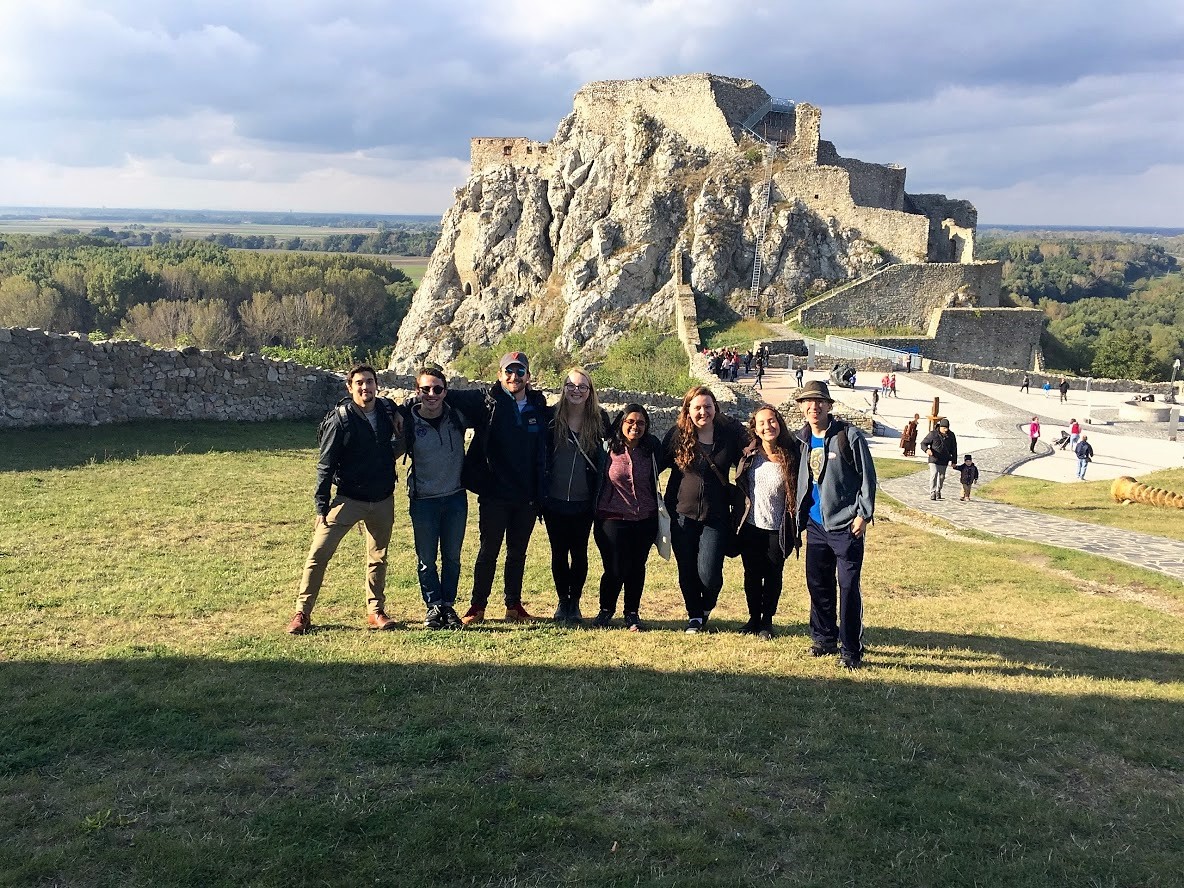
995,431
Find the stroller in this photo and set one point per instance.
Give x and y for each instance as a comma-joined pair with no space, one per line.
1062,441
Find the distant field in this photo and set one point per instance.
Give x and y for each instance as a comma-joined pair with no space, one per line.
184,229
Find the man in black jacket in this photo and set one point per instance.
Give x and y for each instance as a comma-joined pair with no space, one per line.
941,446
506,468
356,456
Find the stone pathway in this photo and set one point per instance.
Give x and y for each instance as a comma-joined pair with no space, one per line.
1160,554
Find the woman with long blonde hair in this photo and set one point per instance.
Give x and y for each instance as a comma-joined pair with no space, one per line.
768,478
574,444
700,449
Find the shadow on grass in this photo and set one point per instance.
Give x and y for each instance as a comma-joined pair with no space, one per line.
71,446
166,770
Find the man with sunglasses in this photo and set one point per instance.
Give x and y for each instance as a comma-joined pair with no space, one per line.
434,440
506,467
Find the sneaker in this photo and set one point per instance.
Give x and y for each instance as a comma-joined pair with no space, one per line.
562,613
379,620
451,619
933,496
473,615
819,650
766,633
516,613
633,622
435,618
848,661
603,620
752,627
694,626
300,624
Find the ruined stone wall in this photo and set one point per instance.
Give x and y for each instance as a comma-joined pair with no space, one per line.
700,108
995,337
871,184
55,379
1011,376
489,152
904,295
952,226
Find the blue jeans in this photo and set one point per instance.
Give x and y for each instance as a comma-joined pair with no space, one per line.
439,526
1082,464
699,551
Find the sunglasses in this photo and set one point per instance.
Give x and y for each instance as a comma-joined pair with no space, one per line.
577,387
515,371
431,389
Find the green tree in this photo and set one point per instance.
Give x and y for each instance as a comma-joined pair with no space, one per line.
1121,354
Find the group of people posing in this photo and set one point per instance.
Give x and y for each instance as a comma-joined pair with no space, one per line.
584,475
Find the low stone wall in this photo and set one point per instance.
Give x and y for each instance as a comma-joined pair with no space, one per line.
1001,337
1008,376
56,379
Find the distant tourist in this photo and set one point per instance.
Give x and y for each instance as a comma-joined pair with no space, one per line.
1047,387
1074,433
1024,385
1033,434
835,501
799,374
1085,455
892,386
758,383
1064,389
355,457
941,446
968,475
884,384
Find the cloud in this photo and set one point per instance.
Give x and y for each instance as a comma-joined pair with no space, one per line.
970,98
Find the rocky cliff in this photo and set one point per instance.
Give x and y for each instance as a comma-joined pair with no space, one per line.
581,232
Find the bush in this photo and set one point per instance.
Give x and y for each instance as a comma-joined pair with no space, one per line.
645,360
307,352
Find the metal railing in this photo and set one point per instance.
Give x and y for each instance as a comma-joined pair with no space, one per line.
839,347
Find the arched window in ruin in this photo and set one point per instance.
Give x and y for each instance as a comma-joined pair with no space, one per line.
468,288
506,149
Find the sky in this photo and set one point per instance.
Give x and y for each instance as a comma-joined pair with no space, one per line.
1065,113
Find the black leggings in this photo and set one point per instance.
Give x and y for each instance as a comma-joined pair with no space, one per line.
764,566
568,533
624,547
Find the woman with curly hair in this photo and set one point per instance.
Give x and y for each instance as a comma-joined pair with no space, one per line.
700,449
626,513
768,478
574,448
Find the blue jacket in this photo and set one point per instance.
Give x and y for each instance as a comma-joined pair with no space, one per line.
846,478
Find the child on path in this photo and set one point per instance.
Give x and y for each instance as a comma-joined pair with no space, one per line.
968,474
1034,433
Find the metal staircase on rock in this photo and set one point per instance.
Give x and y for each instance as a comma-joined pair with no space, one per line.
752,306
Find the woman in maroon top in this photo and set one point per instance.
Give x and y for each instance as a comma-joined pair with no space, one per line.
626,513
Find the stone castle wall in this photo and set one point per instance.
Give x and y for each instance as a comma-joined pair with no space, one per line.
55,379
904,295
486,152
990,337
1010,376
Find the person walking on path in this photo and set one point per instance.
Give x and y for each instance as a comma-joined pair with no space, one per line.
1064,390
908,436
574,446
941,446
835,502
875,400
1047,387
627,509
356,457
799,375
506,467
1074,433
700,449
757,383
892,386
968,475
1024,385
767,476
433,440
1085,455
1033,434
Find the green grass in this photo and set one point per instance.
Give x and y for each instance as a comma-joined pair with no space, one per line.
1017,725
852,332
1091,501
736,333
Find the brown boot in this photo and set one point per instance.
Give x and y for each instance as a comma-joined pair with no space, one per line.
300,624
379,620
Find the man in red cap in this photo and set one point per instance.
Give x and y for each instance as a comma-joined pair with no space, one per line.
506,467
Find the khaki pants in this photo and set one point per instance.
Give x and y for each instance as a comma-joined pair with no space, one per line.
378,519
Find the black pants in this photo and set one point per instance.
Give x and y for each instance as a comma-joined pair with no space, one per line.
498,520
764,566
624,548
568,527
699,550
834,562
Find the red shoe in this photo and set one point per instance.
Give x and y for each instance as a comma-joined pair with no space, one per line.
300,624
379,620
473,615
516,613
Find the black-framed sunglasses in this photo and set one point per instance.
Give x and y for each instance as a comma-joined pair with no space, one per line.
515,371
431,389
577,387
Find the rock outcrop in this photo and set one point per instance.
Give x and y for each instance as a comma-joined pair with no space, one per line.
581,233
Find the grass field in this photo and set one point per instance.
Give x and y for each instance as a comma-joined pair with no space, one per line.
1091,502
180,229
1018,722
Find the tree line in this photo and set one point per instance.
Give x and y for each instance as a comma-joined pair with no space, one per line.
404,240
203,294
1115,307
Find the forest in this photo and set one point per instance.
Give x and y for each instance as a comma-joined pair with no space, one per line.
1115,307
202,294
